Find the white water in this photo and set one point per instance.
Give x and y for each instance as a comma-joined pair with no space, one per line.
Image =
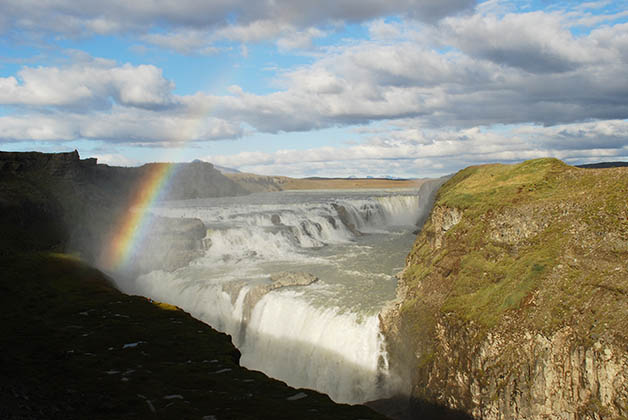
324,336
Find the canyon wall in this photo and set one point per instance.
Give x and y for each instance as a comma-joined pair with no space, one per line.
57,201
514,300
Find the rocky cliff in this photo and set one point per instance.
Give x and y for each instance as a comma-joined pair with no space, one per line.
73,347
514,300
61,202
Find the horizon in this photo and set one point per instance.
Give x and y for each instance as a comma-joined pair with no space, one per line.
405,88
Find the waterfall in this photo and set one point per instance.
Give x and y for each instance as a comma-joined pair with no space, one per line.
276,232
323,336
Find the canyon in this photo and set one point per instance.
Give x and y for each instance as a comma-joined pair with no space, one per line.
512,303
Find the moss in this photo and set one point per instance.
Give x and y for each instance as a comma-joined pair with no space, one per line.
481,280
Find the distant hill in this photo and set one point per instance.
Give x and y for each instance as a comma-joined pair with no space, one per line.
224,170
259,183
57,201
603,165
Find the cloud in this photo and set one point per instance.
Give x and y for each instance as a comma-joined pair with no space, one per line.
131,126
94,84
437,91
255,31
371,80
413,152
299,39
536,42
230,19
114,159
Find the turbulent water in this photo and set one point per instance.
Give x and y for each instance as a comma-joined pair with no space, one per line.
325,335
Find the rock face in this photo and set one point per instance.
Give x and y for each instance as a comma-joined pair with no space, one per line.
344,217
513,303
75,348
60,202
198,180
256,183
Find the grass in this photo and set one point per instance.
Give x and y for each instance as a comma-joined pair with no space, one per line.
564,229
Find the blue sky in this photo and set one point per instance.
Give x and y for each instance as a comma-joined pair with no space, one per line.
331,88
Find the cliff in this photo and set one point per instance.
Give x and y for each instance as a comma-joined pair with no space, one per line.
73,347
514,300
57,201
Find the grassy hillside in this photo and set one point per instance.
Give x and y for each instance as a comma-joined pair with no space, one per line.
75,348
540,240
516,263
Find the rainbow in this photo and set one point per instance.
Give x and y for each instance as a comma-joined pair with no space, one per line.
129,230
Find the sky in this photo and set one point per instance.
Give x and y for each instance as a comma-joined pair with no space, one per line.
406,88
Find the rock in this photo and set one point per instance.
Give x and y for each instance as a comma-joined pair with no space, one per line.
331,221
198,180
258,291
291,278
57,201
512,303
275,219
344,217
256,183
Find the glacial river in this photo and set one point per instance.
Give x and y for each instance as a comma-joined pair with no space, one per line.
323,336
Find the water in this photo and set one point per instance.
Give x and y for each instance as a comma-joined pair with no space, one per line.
325,335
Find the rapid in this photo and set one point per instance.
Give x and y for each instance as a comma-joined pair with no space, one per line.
322,335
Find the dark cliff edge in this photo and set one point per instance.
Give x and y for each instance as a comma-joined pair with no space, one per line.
514,300
74,347
59,201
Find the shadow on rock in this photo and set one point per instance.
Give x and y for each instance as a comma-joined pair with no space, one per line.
406,408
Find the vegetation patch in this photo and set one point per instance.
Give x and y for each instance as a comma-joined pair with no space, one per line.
580,223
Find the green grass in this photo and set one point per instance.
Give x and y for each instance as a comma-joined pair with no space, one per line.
581,216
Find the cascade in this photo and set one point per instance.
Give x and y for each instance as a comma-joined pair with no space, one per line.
325,335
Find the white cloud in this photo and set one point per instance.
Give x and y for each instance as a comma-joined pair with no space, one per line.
494,82
299,39
238,20
252,32
120,125
411,151
437,84
537,42
115,159
93,84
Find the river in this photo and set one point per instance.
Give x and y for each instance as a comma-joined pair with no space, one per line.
325,335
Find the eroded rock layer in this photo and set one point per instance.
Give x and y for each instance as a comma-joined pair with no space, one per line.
514,300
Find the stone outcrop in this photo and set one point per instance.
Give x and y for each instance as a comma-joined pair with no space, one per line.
344,217
59,201
256,183
75,348
513,303
198,180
